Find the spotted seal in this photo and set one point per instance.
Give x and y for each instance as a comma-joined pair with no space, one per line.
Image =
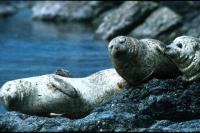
185,52
73,97
138,61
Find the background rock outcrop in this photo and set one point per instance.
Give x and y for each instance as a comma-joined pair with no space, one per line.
69,10
159,21
141,19
124,18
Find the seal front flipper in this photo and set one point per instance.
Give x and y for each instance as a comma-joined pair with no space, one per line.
63,73
63,86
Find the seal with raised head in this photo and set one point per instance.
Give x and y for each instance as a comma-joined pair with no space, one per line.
185,52
73,97
138,61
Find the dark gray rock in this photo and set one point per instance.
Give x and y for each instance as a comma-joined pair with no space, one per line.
159,105
96,121
160,21
187,9
69,10
168,126
194,29
123,19
6,10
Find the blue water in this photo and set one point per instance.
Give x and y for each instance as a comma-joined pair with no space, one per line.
29,48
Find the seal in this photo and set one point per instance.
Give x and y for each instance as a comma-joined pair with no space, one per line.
54,94
138,61
184,51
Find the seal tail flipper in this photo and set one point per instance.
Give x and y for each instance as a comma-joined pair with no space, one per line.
63,86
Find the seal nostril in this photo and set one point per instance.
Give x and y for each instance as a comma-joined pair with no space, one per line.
122,39
117,48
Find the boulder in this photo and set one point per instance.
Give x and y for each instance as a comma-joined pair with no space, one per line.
160,21
193,28
123,19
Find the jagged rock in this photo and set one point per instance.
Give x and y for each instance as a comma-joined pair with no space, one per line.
6,10
97,121
69,10
159,105
160,21
168,126
123,19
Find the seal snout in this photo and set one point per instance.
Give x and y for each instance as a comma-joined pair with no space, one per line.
170,50
167,48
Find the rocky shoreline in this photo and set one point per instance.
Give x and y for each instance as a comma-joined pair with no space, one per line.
159,105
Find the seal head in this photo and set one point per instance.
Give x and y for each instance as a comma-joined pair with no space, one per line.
122,46
184,51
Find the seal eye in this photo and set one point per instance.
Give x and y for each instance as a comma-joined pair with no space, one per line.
122,40
111,46
179,45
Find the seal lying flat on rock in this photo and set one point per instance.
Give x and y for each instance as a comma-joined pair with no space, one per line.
138,61
52,93
185,52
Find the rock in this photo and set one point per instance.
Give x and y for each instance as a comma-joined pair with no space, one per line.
6,10
123,19
159,105
97,21
69,10
194,29
168,126
101,121
187,9
160,21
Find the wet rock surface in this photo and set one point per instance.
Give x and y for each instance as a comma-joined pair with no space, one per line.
124,18
69,10
159,105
